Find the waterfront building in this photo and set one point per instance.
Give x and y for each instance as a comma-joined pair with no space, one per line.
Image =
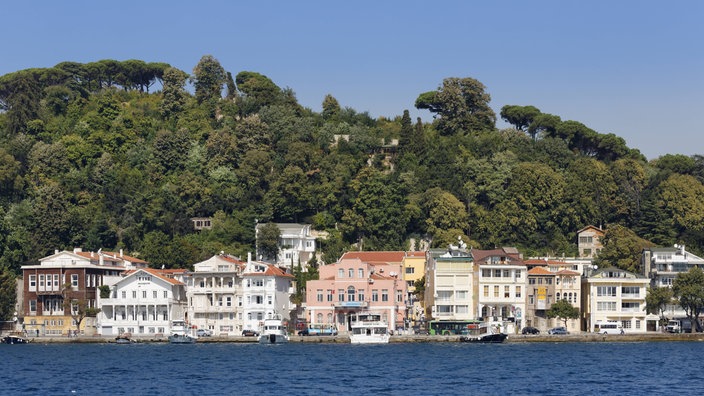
215,295
613,294
69,275
662,265
451,287
501,286
266,291
142,303
413,265
351,286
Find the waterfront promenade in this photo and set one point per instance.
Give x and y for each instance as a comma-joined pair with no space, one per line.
343,339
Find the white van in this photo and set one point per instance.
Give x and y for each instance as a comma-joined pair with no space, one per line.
608,327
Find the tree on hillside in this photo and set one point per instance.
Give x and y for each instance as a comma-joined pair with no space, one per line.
461,105
268,241
563,310
174,94
8,294
688,288
331,108
622,249
519,116
208,79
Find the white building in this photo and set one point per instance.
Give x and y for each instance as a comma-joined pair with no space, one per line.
450,285
296,244
502,285
266,292
214,291
662,265
143,303
612,294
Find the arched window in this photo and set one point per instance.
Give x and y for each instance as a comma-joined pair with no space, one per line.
557,297
329,317
319,318
350,293
341,273
350,272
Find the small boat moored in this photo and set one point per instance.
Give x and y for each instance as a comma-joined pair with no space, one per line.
124,338
368,328
274,332
181,333
485,333
11,339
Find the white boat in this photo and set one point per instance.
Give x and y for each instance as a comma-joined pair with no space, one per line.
368,328
181,333
274,332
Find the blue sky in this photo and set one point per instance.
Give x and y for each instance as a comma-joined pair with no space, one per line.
632,68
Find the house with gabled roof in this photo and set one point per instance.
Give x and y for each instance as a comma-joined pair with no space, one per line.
296,244
266,291
143,303
589,241
74,275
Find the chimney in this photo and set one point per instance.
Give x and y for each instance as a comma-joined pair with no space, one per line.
77,250
56,251
249,257
120,252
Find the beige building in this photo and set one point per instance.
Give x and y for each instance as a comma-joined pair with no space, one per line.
502,283
589,241
613,294
450,287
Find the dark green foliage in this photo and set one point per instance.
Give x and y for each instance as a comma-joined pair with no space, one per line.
90,157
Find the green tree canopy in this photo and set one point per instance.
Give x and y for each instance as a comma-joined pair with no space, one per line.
563,310
688,288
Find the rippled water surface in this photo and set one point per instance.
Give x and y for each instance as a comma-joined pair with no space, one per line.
339,369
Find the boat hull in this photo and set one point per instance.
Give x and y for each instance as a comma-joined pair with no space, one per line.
369,339
485,339
182,339
273,339
14,340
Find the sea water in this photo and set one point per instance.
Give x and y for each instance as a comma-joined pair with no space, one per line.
672,368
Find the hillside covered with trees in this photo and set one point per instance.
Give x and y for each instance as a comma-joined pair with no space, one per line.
122,154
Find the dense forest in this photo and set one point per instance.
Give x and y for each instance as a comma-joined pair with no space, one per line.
122,154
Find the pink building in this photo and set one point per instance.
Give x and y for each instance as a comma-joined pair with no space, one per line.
351,286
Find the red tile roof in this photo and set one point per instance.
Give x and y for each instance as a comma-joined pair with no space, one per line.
381,257
540,271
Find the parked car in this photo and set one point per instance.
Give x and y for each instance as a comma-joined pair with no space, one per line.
557,330
530,330
303,332
249,333
204,333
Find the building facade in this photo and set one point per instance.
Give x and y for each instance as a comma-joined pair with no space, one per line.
215,295
266,291
64,284
352,286
613,294
502,283
450,291
589,241
142,303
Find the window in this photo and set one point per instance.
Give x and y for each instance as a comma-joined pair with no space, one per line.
444,295
630,307
486,290
530,299
585,239
330,293
486,273
341,273
518,292
360,294
144,294
375,295
410,270
496,291
360,273
350,293
154,293
606,306
340,294
56,281
124,294
32,283
319,295
399,296
270,300
32,305
497,273
384,295
506,274
626,324
350,272
606,291
74,280
166,294
531,281
462,309
41,282
519,273
631,290
228,301
461,294
507,291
